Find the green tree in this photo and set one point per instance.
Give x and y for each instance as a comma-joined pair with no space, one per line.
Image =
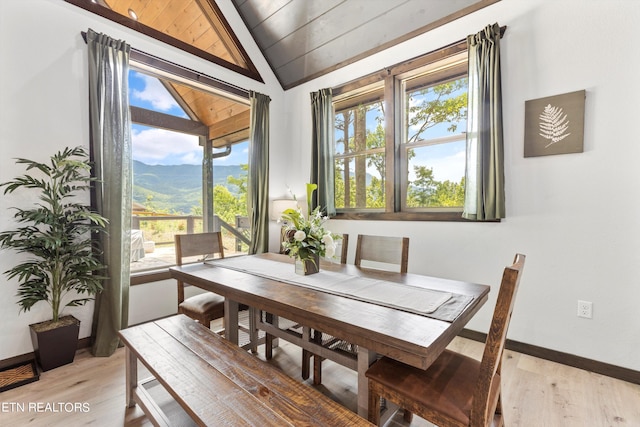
438,104
449,194
423,188
375,193
426,191
226,204
241,182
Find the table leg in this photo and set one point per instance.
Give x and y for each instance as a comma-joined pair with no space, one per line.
131,374
306,354
231,320
365,359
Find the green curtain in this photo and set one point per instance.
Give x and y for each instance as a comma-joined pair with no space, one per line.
110,131
322,150
258,188
484,176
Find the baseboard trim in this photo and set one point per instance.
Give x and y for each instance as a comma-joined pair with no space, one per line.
572,360
21,358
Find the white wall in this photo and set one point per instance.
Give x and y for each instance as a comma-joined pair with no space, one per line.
43,108
574,216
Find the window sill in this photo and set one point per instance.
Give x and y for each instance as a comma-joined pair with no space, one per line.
149,276
405,216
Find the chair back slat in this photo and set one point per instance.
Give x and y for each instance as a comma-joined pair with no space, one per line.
383,249
344,249
199,244
485,396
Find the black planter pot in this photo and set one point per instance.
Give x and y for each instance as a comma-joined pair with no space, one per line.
55,345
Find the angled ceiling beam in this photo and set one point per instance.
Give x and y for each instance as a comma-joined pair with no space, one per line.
146,117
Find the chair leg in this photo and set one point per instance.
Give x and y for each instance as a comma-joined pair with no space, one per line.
407,416
253,329
268,346
306,359
317,369
498,417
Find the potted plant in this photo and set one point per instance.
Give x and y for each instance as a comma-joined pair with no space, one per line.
62,267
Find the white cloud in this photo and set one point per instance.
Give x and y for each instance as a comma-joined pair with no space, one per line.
159,146
155,93
450,167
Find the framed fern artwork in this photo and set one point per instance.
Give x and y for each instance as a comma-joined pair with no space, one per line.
554,125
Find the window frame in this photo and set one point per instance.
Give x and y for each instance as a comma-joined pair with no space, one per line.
391,78
367,95
446,70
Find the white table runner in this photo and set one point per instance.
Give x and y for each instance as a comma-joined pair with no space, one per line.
441,305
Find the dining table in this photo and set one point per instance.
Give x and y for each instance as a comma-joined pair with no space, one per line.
406,316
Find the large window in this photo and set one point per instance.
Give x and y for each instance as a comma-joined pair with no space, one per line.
400,141
190,156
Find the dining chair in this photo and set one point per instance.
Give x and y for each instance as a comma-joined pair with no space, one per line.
206,306
380,252
382,249
455,390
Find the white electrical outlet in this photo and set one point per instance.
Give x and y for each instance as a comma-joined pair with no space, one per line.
585,309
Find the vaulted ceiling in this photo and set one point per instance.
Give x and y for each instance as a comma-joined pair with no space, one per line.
300,39
303,39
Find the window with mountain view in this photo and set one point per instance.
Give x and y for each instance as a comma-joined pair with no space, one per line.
400,143
189,168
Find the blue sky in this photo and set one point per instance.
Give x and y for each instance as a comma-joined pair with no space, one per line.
162,147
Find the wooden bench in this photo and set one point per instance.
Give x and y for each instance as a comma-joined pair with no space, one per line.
218,383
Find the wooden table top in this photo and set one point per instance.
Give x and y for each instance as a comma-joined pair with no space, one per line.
411,338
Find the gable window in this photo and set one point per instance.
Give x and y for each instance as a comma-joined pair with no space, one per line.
400,141
195,26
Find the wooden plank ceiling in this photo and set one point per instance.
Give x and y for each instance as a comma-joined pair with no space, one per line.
196,23
303,39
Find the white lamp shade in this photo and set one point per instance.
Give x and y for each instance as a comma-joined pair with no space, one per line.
280,205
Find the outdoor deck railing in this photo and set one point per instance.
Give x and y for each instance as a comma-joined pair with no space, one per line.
189,224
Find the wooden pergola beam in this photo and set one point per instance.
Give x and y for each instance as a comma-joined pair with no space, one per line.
166,121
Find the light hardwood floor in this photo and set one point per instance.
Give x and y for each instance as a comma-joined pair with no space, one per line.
535,393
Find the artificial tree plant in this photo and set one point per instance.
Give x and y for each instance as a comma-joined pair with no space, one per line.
62,267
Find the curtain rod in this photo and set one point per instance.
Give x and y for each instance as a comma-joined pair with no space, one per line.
181,71
503,29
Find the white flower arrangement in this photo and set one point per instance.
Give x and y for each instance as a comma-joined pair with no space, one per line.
307,237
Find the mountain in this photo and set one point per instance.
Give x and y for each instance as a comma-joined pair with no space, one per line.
177,188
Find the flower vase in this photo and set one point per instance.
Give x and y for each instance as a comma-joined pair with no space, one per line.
308,266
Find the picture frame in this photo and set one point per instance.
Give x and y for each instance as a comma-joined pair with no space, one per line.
554,125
